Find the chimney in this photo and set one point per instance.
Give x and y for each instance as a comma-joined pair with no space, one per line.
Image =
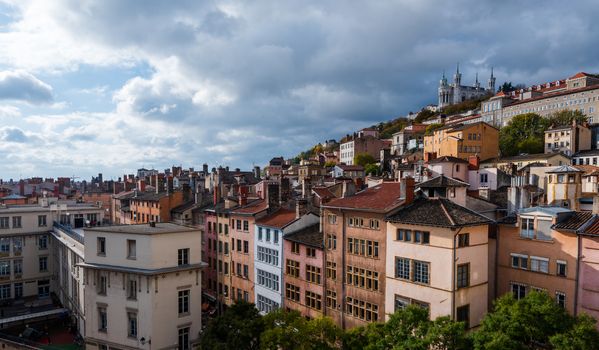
215,196
22,188
257,172
473,162
243,195
141,185
348,189
306,188
272,197
406,189
301,208
205,168
596,205
56,191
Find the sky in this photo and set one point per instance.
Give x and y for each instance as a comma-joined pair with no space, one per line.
110,86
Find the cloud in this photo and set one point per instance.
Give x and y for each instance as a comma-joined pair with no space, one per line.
22,86
12,134
237,82
9,111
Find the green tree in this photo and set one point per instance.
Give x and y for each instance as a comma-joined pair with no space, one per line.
582,336
425,114
566,117
371,169
330,163
238,328
447,334
522,324
525,133
363,159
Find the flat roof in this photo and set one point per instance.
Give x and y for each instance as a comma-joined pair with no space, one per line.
143,229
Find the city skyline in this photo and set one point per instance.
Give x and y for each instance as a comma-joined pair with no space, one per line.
110,87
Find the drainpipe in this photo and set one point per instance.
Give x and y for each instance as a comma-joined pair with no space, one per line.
453,260
343,269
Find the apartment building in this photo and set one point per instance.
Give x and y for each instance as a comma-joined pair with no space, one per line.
153,206
355,251
568,139
304,272
361,144
437,257
216,219
407,139
142,286
269,253
462,141
539,251
26,247
579,92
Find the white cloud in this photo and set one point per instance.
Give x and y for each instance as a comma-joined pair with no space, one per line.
19,85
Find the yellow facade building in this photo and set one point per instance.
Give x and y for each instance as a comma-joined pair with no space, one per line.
462,141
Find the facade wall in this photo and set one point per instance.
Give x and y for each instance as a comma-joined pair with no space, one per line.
274,267
454,170
209,253
588,286
563,247
343,259
301,282
442,290
462,144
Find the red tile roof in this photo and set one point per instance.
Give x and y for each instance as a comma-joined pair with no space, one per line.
278,219
350,167
323,192
381,198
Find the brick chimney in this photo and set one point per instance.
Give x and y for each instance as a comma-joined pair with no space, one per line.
306,188
22,188
243,195
473,162
406,189
272,197
301,208
141,185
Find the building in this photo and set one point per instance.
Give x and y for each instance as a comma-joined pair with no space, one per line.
568,139
492,109
510,165
353,172
564,187
216,221
438,258
143,286
269,254
454,93
357,144
304,273
408,138
586,157
312,172
588,280
153,206
579,92
538,250
449,166
462,141
355,252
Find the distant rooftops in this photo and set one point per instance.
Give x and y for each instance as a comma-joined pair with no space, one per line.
310,236
442,181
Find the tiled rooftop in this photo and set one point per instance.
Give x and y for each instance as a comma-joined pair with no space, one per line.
380,198
437,212
442,181
278,219
575,221
310,236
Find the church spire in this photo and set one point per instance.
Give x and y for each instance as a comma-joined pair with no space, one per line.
457,78
491,82
476,83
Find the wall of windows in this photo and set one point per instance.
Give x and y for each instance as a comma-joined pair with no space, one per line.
268,255
268,280
360,309
363,247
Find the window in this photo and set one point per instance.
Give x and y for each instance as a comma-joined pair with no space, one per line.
269,256
43,288
4,222
183,300
421,237
463,315
183,256
421,272
5,269
266,305
363,247
310,252
268,280
132,324
313,300
331,270
404,235
42,242
292,268
183,339
402,268
295,248
527,228
332,219
102,319
331,242
402,302
4,246
16,222
259,233
539,264
292,292
560,299
246,271
519,261
17,267
561,268
131,249
102,283
313,274
41,220
463,240
246,225
362,278
268,235
361,309
238,225
43,263
518,290
238,245
246,247
275,237
331,299
17,245
101,246
132,288
18,290
374,224
463,275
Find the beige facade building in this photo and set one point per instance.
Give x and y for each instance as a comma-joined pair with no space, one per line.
142,286
438,258
568,139
462,141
